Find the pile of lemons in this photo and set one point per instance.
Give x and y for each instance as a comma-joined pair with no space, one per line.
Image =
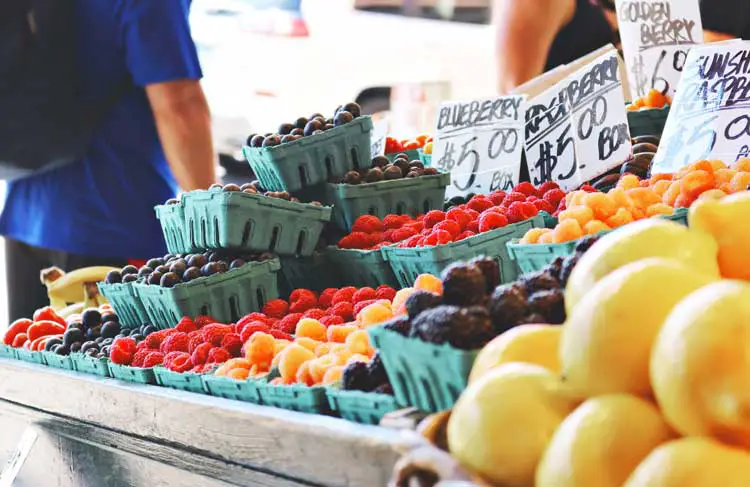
647,384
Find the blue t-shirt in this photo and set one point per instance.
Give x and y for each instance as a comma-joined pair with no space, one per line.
102,206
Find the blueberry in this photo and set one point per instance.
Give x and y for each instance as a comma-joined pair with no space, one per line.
209,269
170,279
94,332
92,352
154,263
191,273
342,118
313,126
91,317
197,260
54,347
137,337
110,317
129,269
222,267
178,267
271,141
236,263
62,350
110,329
155,278
105,351
89,345
135,332
107,341
256,141
51,343
147,330
75,347
162,269
144,271
71,336
113,277
353,108
129,278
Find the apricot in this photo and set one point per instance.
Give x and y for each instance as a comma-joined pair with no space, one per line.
582,214
661,187
292,358
338,333
724,175
628,181
238,373
359,343
620,218
595,226
323,349
428,282
742,165
374,314
696,182
643,197
303,375
740,182
532,236
333,375
601,204
399,300
567,230
310,328
307,342
659,209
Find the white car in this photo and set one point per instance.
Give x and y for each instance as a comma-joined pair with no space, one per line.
271,61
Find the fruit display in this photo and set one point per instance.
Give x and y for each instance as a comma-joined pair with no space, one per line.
253,187
639,164
653,99
74,291
394,145
384,170
32,334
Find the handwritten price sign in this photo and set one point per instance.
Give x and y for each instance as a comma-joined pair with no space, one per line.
710,115
480,143
656,37
577,129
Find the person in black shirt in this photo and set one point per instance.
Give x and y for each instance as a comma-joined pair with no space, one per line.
725,19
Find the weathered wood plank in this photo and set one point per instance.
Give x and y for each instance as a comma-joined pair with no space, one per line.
299,447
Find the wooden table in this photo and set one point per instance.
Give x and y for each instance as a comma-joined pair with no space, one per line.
95,432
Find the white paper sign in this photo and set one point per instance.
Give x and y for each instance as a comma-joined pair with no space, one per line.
656,38
578,129
380,130
480,143
710,115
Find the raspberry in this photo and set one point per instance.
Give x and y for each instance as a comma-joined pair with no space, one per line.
544,205
154,339
215,333
433,217
554,197
449,226
519,212
179,362
402,234
480,203
315,313
299,293
303,303
326,297
196,338
250,328
186,325
388,235
363,294
385,292
126,344
232,343
218,355
153,359
355,240
120,356
491,220
276,308
367,224
438,237
465,235
416,226
288,323
203,320
531,199
526,188
249,318
376,237
497,197
362,305
142,345
344,309
473,226
411,242
459,216
547,186
176,342
332,320
202,369
344,295
200,354
281,335
472,213
589,189
513,197
393,222
139,358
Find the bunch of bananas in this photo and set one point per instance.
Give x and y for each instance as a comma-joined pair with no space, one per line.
72,292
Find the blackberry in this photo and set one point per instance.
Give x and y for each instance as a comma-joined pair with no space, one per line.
555,268
490,269
508,304
376,369
399,324
464,285
532,319
356,377
550,304
420,301
464,328
567,268
540,281
585,243
384,389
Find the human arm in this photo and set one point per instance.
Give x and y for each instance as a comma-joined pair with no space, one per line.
524,33
183,121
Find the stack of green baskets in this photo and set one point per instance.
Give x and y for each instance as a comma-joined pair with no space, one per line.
407,196
360,268
427,376
125,301
408,263
313,272
226,297
172,220
236,220
647,121
309,161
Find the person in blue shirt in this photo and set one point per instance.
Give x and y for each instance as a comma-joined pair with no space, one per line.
155,139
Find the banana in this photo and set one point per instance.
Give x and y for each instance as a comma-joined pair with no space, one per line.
65,289
73,309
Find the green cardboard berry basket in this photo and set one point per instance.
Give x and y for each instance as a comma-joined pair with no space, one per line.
535,257
31,357
239,390
295,397
226,297
427,376
360,407
135,375
183,381
90,365
360,268
425,158
6,351
253,222
58,361
648,121
406,196
680,215
408,263
313,272
312,160
172,220
413,155
126,303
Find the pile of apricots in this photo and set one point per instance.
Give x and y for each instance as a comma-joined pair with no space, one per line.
653,99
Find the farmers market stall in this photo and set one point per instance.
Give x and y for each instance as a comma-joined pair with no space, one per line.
93,432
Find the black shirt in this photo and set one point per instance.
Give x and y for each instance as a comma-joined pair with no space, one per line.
727,16
587,31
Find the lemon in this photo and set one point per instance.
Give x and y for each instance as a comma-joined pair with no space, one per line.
601,443
653,237
532,344
693,462
700,364
502,422
606,342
